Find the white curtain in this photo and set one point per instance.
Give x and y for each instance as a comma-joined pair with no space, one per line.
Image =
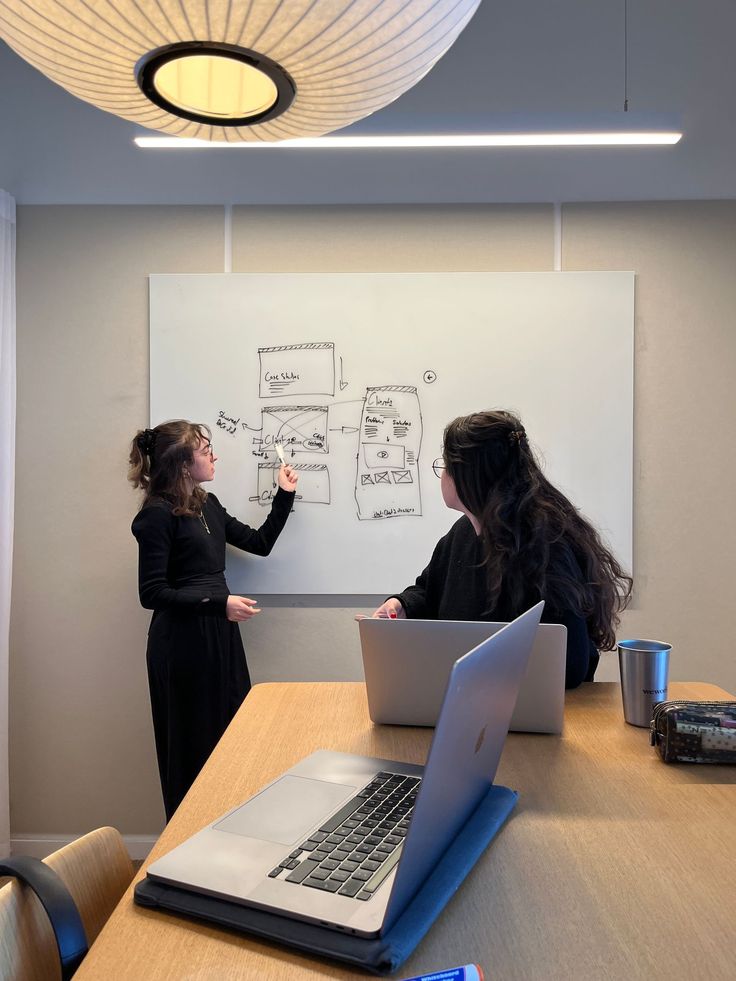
7,484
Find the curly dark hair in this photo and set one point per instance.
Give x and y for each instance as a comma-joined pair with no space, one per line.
158,461
530,529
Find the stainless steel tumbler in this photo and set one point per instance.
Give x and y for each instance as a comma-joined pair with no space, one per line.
644,666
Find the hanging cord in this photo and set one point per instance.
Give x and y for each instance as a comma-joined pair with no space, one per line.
626,55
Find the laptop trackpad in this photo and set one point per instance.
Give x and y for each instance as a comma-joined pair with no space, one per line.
286,810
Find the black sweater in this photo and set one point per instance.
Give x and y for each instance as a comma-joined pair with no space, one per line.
181,565
453,587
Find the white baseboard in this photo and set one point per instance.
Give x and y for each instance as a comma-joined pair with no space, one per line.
39,846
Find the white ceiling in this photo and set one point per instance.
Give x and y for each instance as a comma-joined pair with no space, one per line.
517,56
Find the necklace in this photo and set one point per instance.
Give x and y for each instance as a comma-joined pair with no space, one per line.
202,518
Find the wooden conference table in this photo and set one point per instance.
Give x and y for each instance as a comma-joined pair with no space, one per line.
613,864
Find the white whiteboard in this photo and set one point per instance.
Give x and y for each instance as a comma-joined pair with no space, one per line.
358,373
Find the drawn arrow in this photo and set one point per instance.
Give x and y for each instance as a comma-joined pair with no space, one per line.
345,429
343,384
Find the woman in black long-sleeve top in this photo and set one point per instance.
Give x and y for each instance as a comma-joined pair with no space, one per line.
520,540
197,670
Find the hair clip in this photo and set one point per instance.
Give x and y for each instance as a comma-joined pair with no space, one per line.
146,441
516,435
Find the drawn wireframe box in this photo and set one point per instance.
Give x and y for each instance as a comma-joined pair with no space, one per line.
296,427
384,455
297,369
387,475
313,486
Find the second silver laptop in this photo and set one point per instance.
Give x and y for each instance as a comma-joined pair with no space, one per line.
407,664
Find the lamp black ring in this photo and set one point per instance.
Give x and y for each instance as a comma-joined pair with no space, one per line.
148,65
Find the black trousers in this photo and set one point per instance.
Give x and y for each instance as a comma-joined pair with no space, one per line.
198,678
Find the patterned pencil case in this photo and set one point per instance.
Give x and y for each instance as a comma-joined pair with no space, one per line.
695,732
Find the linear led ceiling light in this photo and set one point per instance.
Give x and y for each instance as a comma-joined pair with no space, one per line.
262,70
429,141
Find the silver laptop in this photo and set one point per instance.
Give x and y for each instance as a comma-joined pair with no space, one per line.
346,841
407,664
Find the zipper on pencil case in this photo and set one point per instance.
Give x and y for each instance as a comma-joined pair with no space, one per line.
663,707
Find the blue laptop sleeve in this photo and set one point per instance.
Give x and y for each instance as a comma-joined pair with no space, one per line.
380,955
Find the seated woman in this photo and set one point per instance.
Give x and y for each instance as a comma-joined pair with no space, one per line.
519,540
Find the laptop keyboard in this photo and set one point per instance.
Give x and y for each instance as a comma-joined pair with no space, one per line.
355,849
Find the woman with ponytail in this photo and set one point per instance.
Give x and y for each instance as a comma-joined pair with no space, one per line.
197,670
520,540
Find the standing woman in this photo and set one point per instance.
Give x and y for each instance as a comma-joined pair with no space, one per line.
197,671
520,541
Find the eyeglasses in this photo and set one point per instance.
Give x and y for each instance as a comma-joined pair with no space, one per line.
438,466
207,450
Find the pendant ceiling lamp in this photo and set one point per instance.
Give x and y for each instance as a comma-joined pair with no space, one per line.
235,70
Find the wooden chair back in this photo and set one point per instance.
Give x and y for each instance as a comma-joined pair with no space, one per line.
96,869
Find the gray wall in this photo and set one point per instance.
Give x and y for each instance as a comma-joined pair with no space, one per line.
81,740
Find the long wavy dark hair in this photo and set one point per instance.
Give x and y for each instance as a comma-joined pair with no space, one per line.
529,529
159,459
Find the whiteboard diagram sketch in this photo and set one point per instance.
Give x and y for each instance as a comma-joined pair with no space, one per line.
314,482
297,369
360,416
387,480
390,440
299,428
